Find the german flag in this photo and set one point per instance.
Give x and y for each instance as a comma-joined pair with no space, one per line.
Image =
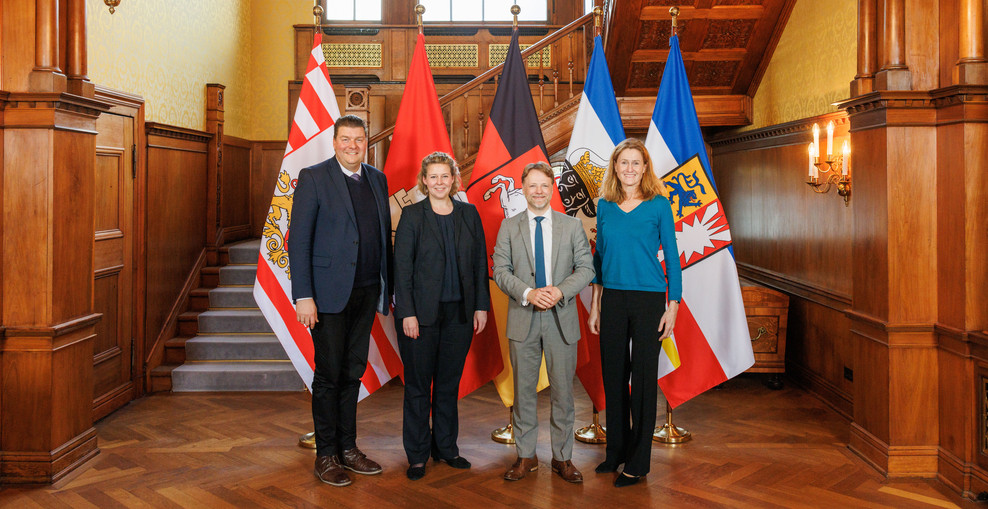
512,139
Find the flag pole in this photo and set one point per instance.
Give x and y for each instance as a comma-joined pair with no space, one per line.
307,440
505,435
317,13
594,433
598,14
674,11
669,433
419,11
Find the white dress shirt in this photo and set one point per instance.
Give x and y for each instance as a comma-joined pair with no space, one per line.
546,243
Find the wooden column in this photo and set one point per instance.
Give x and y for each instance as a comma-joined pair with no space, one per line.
46,76
77,61
972,66
864,80
894,298
894,74
48,193
214,124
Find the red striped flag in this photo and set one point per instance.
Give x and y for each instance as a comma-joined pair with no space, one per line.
310,142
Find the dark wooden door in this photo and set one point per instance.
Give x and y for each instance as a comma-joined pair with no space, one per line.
113,264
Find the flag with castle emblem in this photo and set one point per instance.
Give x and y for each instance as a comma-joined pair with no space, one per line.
596,131
310,142
711,333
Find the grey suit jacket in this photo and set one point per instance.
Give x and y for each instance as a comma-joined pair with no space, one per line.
514,271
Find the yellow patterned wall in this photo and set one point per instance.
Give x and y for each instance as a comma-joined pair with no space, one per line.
812,66
167,50
273,60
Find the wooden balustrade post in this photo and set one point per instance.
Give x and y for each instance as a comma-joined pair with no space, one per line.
466,122
214,172
555,89
570,65
480,113
864,80
541,54
894,74
972,66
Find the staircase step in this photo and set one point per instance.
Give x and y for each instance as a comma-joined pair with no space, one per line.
199,299
262,347
238,274
236,376
175,350
244,252
161,378
233,321
188,323
232,297
209,277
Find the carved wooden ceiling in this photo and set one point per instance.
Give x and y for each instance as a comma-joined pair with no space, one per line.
726,44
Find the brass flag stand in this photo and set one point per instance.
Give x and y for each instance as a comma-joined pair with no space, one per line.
307,440
594,433
669,433
505,435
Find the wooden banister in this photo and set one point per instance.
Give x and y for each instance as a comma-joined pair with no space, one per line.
464,89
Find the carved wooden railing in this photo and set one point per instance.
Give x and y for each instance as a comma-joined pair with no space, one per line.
580,31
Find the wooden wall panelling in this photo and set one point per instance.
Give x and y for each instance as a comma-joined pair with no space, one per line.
922,43
266,158
235,218
790,239
960,397
176,234
215,107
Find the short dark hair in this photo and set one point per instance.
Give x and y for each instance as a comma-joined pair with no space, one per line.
539,166
349,121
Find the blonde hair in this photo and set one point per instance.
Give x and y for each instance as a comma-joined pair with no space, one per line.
439,158
649,187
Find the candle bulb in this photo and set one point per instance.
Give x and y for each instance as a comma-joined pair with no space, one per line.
810,173
816,140
830,140
846,149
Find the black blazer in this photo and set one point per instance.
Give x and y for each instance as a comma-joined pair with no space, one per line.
323,237
420,261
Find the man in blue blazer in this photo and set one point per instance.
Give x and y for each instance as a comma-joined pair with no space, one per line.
339,244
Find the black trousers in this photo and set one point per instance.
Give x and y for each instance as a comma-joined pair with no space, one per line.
627,314
341,341
433,367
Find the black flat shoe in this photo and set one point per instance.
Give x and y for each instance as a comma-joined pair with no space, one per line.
415,473
626,480
458,462
605,468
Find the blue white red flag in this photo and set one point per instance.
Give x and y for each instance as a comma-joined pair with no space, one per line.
711,334
596,131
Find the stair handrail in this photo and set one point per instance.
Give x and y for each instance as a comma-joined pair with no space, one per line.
496,70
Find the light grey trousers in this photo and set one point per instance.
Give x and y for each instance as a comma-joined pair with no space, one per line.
544,336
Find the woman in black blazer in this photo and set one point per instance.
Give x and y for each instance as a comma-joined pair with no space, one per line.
442,295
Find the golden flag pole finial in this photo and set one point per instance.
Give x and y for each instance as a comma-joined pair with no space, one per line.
598,15
675,15
420,11
317,13
515,11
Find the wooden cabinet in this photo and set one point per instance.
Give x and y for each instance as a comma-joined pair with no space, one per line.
767,311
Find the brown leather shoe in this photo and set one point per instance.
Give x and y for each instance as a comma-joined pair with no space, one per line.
521,467
329,471
357,461
567,471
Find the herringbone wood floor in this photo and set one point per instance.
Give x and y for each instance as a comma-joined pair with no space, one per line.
752,448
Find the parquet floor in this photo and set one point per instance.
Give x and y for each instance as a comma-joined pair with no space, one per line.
752,447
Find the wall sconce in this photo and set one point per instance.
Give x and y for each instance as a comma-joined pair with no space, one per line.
111,4
838,167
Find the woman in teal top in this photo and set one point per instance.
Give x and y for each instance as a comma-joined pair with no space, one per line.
634,223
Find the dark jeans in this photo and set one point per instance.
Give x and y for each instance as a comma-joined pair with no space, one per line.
627,314
434,362
341,341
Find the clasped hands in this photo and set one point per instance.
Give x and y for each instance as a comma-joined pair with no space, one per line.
410,324
545,298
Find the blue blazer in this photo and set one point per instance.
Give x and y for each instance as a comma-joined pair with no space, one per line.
323,237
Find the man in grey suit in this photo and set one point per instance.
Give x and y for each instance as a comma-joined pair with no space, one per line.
541,261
